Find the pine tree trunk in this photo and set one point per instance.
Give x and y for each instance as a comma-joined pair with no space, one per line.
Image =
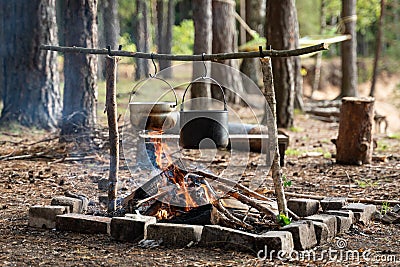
286,70
349,49
378,49
318,59
167,39
142,37
161,18
101,42
255,19
108,30
29,77
224,40
202,18
80,89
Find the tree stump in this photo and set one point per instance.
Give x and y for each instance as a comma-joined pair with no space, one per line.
354,143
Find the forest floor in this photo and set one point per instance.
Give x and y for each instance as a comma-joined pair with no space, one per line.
27,182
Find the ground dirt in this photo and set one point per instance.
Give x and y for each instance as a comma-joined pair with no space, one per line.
60,168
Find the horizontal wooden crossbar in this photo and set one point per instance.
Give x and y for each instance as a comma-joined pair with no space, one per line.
204,57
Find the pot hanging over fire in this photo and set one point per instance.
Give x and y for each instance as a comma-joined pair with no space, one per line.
203,126
155,116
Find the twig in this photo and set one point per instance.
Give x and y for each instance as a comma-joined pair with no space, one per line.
234,184
208,57
44,140
348,177
230,216
140,202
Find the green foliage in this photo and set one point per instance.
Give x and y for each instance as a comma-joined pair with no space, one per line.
327,155
385,208
382,146
296,129
394,136
183,38
127,43
365,183
283,219
293,152
126,12
308,24
253,44
286,182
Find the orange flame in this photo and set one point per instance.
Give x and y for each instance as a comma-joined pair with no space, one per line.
164,162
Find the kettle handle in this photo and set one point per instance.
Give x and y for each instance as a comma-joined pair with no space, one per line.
203,78
157,78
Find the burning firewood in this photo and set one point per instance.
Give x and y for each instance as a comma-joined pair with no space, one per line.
191,190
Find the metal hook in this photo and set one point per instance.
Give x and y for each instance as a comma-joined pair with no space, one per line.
109,50
155,66
261,51
205,66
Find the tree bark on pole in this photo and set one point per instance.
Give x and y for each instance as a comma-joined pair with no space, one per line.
349,49
202,18
200,57
269,93
355,143
111,107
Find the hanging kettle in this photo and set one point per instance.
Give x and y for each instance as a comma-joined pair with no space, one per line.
199,125
155,116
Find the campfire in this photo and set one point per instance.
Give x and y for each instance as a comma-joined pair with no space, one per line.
196,196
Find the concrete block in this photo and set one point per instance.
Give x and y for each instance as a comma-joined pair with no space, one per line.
321,232
130,229
274,241
344,219
343,224
333,203
344,213
329,220
75,205
228,238
362,213
176,235
86,224
303,233
45,216
303,207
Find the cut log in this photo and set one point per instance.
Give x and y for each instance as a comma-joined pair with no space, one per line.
355,143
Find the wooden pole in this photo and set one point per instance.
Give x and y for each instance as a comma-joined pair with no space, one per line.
354,143
111,108
269,93
207,57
